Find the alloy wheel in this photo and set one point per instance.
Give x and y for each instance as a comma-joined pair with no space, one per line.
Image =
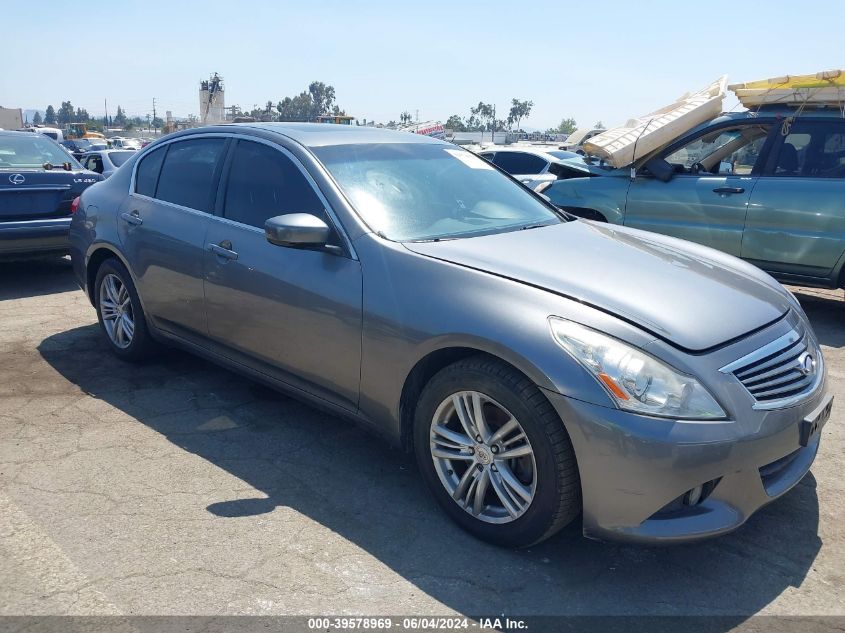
116,310
483,457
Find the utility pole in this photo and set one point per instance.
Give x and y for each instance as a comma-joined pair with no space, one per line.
106,108
154,112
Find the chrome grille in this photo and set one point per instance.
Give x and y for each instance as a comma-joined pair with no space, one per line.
785,368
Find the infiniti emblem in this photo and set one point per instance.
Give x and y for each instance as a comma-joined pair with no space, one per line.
17,179
806,364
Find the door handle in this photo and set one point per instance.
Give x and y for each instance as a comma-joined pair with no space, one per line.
223,249
725,190
132,218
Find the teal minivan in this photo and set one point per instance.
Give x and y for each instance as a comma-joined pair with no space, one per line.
767,186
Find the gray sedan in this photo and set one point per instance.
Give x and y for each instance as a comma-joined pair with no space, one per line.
540,367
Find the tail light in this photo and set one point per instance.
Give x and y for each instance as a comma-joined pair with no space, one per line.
74,206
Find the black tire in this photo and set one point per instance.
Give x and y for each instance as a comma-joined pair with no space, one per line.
557,499
142,346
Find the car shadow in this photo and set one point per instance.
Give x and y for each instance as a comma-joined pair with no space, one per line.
826,309
357,487
35,277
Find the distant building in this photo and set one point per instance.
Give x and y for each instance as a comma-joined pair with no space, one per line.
212,102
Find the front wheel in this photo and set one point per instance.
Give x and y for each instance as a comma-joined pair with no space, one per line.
495,454
120,313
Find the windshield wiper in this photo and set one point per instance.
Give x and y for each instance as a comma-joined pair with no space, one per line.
534,226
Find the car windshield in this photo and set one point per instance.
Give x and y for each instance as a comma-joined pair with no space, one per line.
118,158
31,151
417,191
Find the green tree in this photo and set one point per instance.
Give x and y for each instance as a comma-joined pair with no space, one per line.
36,118
120,117
405,117
567,126
519,110
296,108
599,125
50,116
456,123
81,115
157,123
66,114
485,113
322,98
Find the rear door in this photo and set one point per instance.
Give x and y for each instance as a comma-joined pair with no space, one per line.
796,218
707,198
163,223
293,313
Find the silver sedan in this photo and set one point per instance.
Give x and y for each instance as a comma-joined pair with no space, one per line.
540,367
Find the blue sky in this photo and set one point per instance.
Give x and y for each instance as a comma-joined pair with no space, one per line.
592,61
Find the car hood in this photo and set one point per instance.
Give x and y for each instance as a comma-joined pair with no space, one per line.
694,297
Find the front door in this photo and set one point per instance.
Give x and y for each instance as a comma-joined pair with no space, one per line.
162,225
707,198
292,313
796,219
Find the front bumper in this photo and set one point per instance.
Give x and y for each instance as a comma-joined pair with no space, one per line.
22,237
634,469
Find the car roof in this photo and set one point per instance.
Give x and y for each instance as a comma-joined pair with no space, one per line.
111,151
322,134
527,149
26,134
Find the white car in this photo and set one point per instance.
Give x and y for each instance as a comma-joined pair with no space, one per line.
575,141
533,166
106,161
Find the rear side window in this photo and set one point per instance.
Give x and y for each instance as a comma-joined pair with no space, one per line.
519,162
147,175
264,183
187,174
814,149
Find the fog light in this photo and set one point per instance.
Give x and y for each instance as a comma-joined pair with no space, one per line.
692,497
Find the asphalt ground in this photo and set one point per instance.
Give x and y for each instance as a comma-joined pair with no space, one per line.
180,488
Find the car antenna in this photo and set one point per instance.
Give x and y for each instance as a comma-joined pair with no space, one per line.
634,153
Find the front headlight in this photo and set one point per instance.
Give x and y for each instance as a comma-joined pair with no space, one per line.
635,380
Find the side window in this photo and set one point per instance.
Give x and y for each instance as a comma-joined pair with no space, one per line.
188,172
95,163
814,149
264,183
146,176
732,151
520,162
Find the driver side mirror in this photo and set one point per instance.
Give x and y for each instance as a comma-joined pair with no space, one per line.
297,229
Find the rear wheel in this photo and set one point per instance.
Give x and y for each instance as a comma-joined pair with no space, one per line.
495,454
120,313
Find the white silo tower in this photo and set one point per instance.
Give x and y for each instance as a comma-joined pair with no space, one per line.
212,104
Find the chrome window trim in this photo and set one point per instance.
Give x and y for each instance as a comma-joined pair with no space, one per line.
151,148
173,205
338,226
